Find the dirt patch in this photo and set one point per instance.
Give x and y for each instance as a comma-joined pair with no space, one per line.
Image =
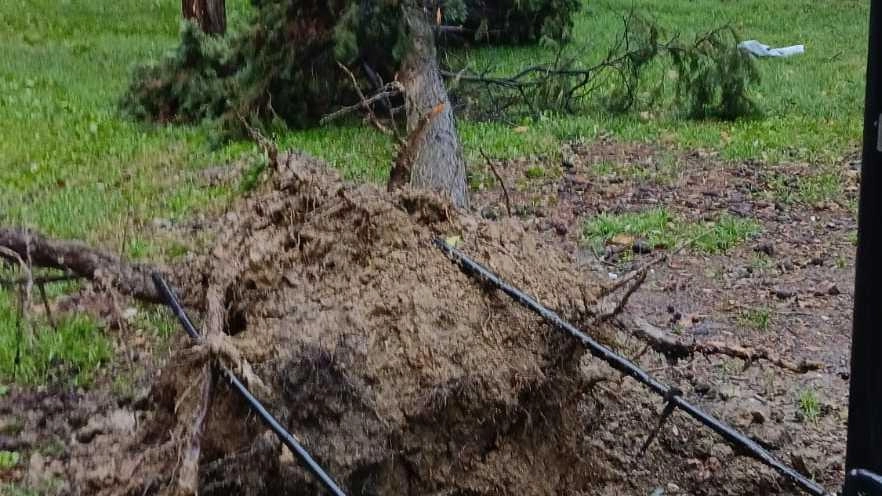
788,290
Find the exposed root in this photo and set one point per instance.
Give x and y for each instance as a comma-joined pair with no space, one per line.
80,260
501,182
676,349
188,472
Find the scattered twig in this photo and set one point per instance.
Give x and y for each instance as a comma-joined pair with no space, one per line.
676,349
501,181
46,308
39,281
365,103
640,272
389,90
24,289
269,148
639,277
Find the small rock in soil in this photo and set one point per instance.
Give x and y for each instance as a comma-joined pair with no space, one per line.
721,451
641,246
827,288
729,391
560,227
702,388
773,435
489,213
766,247
784,293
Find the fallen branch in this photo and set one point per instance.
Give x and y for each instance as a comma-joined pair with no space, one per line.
675,348
79,260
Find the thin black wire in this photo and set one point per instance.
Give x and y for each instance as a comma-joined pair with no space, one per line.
299,451
628,368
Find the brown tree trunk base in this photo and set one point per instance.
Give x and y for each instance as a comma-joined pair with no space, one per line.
434,152
210,15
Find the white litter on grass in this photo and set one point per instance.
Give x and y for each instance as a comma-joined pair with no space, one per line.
756,48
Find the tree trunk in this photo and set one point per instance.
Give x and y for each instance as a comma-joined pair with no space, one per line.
211,15
436,155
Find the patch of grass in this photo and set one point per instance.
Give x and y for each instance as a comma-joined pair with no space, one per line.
661,229
9,459
70,355
535,172
157,320
664,171
809,405
760,263
723,234
252,175
17,490
756,318
813,189
654,226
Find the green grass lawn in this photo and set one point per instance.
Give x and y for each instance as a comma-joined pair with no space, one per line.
812,103
71,166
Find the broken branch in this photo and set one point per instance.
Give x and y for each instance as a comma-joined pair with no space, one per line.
675,348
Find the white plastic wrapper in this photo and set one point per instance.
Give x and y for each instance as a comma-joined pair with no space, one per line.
756,48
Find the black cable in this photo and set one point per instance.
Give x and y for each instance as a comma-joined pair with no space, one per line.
628,368
299,451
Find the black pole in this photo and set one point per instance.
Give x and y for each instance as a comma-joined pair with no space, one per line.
864,447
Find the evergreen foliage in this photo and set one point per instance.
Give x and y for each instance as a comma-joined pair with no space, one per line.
713,76
283,65
282,68
188,84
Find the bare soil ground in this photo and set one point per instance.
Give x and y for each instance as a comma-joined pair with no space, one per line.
335,295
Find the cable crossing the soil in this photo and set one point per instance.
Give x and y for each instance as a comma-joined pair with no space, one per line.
671,395
254,404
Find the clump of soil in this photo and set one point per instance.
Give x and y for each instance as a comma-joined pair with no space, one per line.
398,372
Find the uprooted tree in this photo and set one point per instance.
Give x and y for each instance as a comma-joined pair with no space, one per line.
284,67
299,61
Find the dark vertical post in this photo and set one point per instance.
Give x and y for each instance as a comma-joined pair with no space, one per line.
864,450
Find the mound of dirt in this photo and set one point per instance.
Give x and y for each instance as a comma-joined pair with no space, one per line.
399,373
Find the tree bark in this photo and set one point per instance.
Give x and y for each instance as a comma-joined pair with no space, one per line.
436,159
210,15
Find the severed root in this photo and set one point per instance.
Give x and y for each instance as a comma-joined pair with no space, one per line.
676,349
